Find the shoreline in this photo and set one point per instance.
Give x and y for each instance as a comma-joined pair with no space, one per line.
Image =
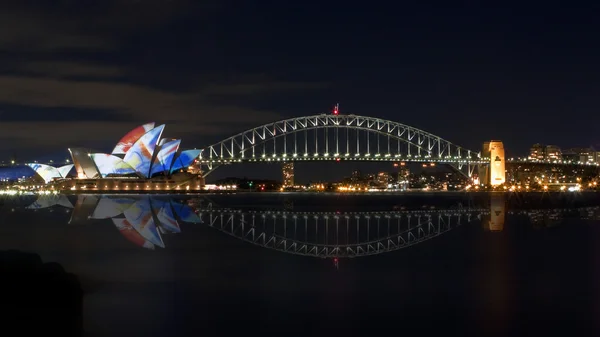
179,192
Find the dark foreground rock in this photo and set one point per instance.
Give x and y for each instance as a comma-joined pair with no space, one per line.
38,297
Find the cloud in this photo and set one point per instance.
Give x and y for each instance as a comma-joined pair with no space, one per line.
54,78
150,13
79,35
48,92
69,69
64,112
65,134
267,87
133,102
52,136
50,27
39,32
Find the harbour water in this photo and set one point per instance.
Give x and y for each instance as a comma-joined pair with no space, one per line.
321,264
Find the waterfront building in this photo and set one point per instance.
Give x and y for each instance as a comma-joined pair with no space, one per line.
383,179
288,174
553,152
581,154
356,176
545,152
141,160
403,174
536,152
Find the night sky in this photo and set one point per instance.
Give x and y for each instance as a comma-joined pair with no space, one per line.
82,73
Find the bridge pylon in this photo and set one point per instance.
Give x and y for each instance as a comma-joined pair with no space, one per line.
495,173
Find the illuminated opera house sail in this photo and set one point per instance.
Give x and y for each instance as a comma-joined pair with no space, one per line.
140,157
48,173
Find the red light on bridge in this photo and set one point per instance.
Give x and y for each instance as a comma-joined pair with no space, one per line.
336,109
337,159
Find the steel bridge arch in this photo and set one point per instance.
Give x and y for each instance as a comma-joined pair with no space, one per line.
428,147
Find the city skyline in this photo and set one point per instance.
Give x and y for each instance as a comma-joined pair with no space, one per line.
349,133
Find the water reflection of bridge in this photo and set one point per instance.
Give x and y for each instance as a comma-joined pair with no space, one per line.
332,234
145,219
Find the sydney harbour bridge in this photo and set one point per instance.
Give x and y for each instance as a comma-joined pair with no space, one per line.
337,137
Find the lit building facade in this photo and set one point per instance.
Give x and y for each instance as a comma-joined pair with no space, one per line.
288,174
403,174
545,152
140,161
553,152
581,154
383,178
356,176
496,174
537,152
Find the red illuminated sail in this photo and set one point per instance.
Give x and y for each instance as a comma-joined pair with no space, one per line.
131,137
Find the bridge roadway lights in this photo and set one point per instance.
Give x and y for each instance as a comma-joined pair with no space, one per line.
340,158
549,162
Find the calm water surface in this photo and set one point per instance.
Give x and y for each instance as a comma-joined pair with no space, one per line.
315,264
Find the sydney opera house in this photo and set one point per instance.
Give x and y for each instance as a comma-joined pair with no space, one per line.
141,161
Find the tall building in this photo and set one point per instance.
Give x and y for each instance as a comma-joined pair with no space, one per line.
536,152
545,152
553,152
383,178
496,174
581,154
403,173
288,174
356,176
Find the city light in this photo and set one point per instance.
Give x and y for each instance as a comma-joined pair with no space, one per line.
546,167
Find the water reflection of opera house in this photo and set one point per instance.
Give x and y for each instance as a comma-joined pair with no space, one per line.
142,160
144,220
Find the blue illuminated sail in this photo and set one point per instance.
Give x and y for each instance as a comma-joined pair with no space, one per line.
185,159
139,156
165,157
